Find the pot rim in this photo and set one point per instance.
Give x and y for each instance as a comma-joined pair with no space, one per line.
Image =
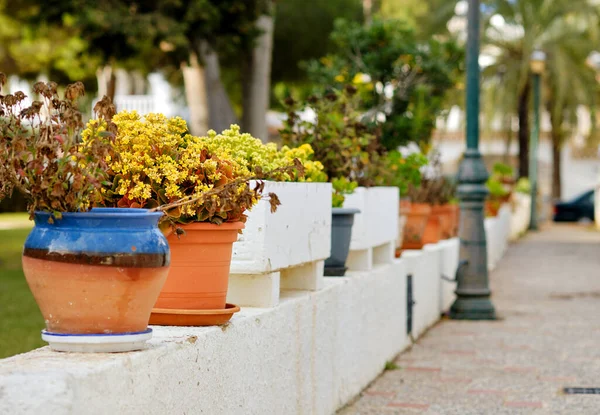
344,211
103,213
226,226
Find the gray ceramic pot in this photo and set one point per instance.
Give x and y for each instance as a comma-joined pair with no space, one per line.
341,232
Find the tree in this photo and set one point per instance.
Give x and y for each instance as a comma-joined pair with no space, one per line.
426,17
554,26
177,33
404,80
28,50
302,34
257,77
569,82
201,34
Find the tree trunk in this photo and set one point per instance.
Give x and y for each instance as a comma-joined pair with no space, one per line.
220,111
557,141
139,83
257,81
106,81
367,11
523,111
556,165
509,135
123,82
195,93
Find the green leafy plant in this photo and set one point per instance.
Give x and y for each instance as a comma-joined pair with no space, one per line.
434,188
40,153
390,365
416,74
503,170
437,190
347,148
400,171
341,141
341,187
496,188
523,186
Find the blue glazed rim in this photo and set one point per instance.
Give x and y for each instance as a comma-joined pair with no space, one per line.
97,213
130,333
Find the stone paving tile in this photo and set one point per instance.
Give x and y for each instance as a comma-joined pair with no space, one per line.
547,294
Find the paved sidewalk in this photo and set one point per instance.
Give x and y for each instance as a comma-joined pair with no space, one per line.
547,293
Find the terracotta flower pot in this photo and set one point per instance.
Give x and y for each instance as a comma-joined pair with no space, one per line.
446,218
433,230
96,272
456,219
492,206
416,221
200,262
404,208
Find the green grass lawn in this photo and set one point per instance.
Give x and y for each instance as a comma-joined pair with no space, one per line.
20,318
14,216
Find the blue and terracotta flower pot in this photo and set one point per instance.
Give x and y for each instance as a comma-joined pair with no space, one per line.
96,272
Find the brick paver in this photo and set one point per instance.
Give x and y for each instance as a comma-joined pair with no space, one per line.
547,294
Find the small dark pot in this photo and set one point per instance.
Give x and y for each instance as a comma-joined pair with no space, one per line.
341,232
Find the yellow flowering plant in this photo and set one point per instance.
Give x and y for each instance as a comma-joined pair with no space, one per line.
159,165
251,153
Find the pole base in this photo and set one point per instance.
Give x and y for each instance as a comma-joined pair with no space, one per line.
473,308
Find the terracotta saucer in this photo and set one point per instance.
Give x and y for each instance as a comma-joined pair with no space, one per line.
174,317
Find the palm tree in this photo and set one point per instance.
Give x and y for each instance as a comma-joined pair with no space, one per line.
569,83
566,31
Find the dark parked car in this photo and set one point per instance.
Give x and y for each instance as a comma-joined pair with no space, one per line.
580,207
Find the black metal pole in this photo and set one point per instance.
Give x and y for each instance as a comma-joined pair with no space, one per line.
472,291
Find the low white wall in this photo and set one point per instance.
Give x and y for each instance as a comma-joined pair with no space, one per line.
449,261
521,215
375,228
312,353
497,231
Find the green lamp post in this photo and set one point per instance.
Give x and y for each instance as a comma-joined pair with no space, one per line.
537,66
472,291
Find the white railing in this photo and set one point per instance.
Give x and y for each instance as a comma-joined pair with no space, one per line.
143,104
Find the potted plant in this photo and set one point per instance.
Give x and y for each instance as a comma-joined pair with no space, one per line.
497,196
348,149
523,186
417,218
341,227
455,208
401,171
94,273
436,191
504,173
204,189
444,207
426,227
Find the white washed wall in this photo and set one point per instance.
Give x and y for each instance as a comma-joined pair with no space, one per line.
521,215
313,353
